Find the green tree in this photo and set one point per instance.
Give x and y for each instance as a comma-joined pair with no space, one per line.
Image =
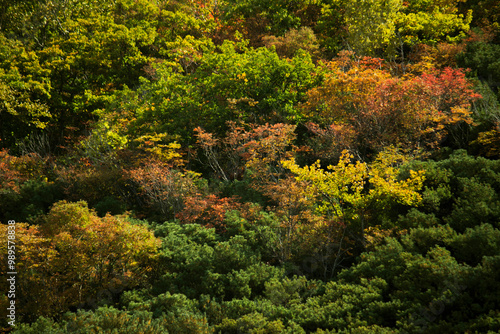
429,22
461,191
371,25
389,28
196,261
24,92
253,85
103,320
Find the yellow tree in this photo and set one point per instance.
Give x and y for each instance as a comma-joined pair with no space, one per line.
387,28
348,195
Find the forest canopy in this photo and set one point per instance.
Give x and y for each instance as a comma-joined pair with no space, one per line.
193,166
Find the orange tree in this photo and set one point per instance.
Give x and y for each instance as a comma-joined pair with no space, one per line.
373,109
75,259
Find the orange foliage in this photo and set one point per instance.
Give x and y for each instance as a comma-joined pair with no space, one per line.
16,170
208,211
383,110
74,258
163,188
260,147
328,143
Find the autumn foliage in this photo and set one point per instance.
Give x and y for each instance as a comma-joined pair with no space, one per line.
196,166
208,211
74,256
366,109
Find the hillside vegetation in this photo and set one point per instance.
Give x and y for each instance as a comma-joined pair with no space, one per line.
307,166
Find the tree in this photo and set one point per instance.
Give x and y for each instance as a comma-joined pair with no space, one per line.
76,259
24,93
373,109
461,191
371,26
208,211
293,41
108,320
254,86
197,261
485,14
258,149
164,188
428,22
481,56
255,18
391,28
349,193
